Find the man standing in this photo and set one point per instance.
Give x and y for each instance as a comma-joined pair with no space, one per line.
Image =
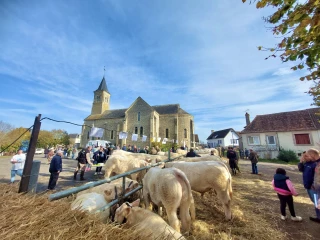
246,153
100,156
232,156
253,156
17,165
83,158
55,169
308,165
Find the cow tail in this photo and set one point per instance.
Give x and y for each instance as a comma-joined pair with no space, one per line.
230,186
183,178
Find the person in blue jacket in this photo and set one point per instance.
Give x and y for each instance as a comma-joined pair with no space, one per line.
55,169
307,165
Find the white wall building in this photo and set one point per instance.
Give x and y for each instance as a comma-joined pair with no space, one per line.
223,138
296,130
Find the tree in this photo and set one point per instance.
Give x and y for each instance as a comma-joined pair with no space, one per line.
12,136
61,136
45,139
4,129
299,25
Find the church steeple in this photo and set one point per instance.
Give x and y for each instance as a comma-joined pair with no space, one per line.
101,99
103,85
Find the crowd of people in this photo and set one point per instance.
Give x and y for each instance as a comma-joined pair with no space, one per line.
309,166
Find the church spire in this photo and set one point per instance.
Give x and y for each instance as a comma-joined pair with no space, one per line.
103,84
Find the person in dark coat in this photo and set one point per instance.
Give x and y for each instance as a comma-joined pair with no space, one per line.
192,153
232,156
55,169
253,156
100,156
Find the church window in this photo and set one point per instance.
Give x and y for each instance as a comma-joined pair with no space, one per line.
111,134
98,98
136,130
167,133
138,116
141,131
185,133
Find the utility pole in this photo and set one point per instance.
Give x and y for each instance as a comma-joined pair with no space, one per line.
24,183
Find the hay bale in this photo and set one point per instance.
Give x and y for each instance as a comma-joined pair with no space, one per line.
26,216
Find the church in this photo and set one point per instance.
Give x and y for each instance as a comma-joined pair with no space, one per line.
160,123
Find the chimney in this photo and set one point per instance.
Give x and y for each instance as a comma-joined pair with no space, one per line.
247,119
212,131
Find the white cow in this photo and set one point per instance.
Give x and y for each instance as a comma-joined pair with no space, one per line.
204,176
94,198
110,190
170,188
91,202
203,158
146,223
118,164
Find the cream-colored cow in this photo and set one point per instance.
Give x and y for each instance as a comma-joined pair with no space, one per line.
171,189
204,176
119,163
148,224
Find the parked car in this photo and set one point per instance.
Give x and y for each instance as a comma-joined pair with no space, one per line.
39,151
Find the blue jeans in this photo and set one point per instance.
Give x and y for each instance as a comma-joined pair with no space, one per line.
254,168
311,193
14,173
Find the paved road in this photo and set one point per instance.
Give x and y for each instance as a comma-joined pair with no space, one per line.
65,178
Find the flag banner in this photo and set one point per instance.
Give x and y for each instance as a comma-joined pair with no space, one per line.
159,139
164,141
123,135
153,139
134,137
144,138
96,132
177,141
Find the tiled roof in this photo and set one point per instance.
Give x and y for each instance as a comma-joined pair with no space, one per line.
220,134
285,121
167,109
117,113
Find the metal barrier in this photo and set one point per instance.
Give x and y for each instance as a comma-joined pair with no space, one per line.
74,190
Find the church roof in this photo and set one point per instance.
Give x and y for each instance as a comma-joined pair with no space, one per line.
103,85
169,109
120,113
116,113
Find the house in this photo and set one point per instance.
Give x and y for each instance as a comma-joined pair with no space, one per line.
223,138
296,130
141,122
75,139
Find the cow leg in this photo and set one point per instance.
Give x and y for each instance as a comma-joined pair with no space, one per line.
173,218
107,173
185,217
226,202
146,200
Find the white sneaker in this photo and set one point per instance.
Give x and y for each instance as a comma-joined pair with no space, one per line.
296,219
95,173
283,218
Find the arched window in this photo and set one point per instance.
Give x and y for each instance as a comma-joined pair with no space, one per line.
167,133
185,133
141,131
136,130
111,137
138,116
98,97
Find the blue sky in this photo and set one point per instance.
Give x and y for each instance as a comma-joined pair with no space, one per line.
201,54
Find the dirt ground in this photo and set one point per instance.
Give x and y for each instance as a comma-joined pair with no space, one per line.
255,206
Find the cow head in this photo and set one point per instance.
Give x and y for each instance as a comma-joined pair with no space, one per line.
124,211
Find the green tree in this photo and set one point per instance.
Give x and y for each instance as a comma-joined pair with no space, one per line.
45,139
299,25
61,136
12,136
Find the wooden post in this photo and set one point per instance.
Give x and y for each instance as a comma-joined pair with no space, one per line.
24,183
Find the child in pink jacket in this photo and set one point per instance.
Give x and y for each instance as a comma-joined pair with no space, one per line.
285,189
